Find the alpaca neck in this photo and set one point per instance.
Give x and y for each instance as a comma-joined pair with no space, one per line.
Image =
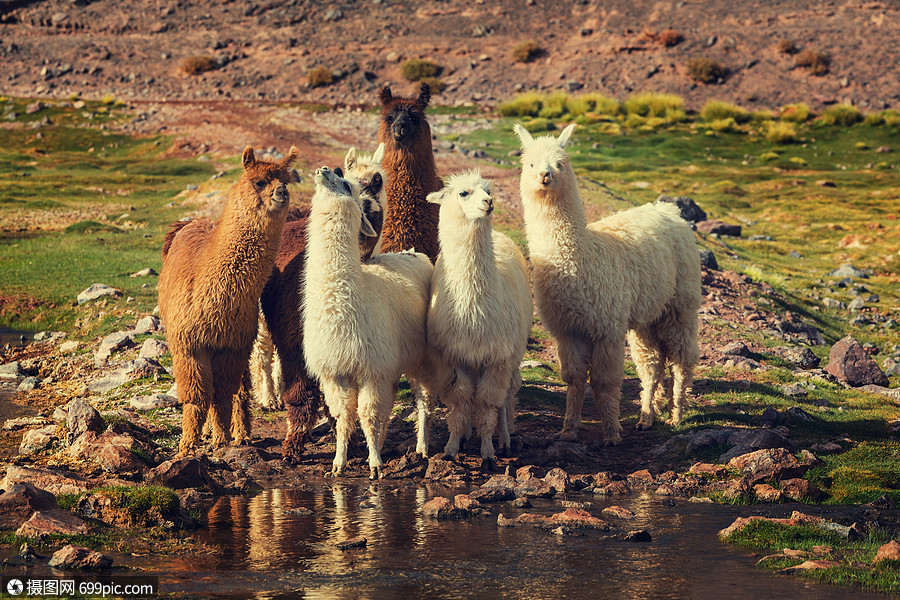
333,249
555,224
244,246
468,257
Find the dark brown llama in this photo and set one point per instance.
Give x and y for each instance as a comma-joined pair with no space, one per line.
209,289
281,300
409,220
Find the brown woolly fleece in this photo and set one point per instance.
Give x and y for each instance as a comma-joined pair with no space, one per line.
281,300
409,220
209,288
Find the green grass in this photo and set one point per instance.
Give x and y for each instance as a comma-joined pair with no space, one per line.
861,474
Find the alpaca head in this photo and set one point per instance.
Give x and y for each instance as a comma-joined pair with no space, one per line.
465,196
263,185
365,171
403,120
545,162
336,195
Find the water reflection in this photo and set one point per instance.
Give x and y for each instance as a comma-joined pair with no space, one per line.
272,548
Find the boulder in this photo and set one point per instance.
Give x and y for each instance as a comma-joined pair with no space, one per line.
445,470
849,363
98,290
82,417
618,511
847,270
181,473
736,349
708,259
153,348
769,463
719,228
766,493
28,384
53,482
149,324
571,517
558,480
690,211
52,521
153,402
441,508
78,557
38,440
638,535
889,551
11,370
799,356
114,342
19,501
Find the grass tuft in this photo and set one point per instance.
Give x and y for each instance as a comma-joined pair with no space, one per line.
705,70
319,76
527,51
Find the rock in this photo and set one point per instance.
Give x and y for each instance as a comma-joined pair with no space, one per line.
799,356
149,324
11,370
530,364
466,503
410,464
768,463
800,330
114,342
708,469
690,211
67,347
639,535
719,228
440,469
521,503
857,304
794,391
849,363
110,382
181,473
153,348
748,440
892,393
147,272
82,417
889,551
144,367
334,14
98,290
571,517
44,479
493,494
708,259
38,440
801,490
52,521
736,349
114,458
154,402
766,493
848,270
832,303
23,422
534,488
77,557
558,480
812,565
28,384
19,501
618,511
441,508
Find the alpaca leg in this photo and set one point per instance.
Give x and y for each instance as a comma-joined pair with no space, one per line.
574,358
456,396
424,406
682,378
240,416
193,373
375,404
228,371
607,373
341,398
679,333
302,399
649,363
490,396
663,399
265,369
508,413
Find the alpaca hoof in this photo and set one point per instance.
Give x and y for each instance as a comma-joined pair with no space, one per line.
613,441
568,435
673,421
489,464
376,473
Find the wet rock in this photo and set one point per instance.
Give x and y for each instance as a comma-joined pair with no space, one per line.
719,228
52,521
849,363
51,481
82,417
19,501
467,503
639,535
613,488
848,270
558,480
640,478
801,490
154,402
440,469
798,356
153,348
521,503
571,517
181,473
708,259
618,511
114,342
766,493
690,210
441,508
77,557
534,488
98,290
493,494
38,440
708,469
769,463
889,551
409,465
812,565
11,370
300,510
357,542
149,324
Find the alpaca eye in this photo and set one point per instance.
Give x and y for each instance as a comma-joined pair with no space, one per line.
260,185
531,165
559,165
463,194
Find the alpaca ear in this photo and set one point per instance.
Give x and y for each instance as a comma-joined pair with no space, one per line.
437,197
379,154
292,155
385,95
350,159
248,159
424,94
523,135
563,139
338,171
365,227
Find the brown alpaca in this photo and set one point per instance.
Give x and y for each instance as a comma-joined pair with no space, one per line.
281,300
409,220
209,288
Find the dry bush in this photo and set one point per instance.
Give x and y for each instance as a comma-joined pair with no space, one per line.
417,69
843,115
788,47
437,86
194,65
669,38
705,70
815,61
797,113
526,51
780,132
319,76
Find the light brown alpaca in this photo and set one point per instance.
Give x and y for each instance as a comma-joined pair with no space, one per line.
209,288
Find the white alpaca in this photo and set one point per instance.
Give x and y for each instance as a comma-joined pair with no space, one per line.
364,172
364,323
479,317
636,272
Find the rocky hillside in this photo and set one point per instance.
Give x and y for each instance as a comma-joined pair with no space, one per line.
264,50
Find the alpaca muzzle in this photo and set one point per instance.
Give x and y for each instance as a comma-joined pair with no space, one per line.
489,205
546,177
280,195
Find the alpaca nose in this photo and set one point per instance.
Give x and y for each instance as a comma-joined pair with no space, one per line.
399,131
490,205
280,195
546,177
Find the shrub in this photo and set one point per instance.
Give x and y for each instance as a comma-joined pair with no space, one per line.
788,47
796,113
600,104
768,156
669,38
705,70
416,69
538,125
194,65
108,99
887,117
841,114
437,86
797,161
526,51
528,104
779,132
319,76
726,124
554,105
653,104
815,61
716,110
